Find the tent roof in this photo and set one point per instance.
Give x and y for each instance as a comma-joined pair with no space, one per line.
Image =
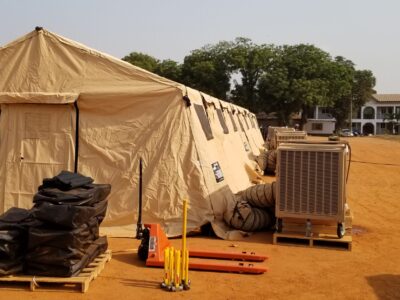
44,65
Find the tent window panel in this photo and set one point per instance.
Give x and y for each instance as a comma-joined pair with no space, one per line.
245,121
240,123
222,121
37,126
256,122
205,124
233,121
252,122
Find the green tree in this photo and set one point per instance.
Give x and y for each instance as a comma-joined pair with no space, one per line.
363,87
341,80
142,60
351,90
296,79
208,69
169,69
249,61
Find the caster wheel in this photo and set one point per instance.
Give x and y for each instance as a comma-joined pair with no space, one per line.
279,225
340,230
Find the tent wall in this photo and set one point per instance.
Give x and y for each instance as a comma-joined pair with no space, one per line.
37,141
43,62
256,132
125,113
157,129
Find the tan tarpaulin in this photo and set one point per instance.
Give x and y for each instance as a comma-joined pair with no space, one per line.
125,113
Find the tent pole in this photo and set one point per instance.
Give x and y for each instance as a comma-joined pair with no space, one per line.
76,136
139,228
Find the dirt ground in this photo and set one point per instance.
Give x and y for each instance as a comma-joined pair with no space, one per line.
370,271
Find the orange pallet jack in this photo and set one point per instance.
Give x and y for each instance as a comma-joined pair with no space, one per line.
154,241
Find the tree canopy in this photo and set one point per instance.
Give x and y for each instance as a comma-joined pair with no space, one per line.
283,79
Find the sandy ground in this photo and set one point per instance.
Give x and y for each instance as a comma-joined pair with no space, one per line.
370,271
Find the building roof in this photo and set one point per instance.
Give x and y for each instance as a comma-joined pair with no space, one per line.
386,97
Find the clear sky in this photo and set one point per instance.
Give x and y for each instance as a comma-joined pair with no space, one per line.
364,31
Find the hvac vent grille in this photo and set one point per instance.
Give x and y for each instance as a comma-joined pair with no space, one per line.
285,138
290,136
309,182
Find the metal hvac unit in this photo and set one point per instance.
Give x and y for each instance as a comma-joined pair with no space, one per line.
290,136
311,183
271,137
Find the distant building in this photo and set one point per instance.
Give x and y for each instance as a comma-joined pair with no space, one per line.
369,119
320,121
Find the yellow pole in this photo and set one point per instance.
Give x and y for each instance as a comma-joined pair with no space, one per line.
185,252
171,266
177,279
186,281
166,266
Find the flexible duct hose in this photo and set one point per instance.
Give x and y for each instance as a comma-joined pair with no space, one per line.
267,161
248,218
254,208
271,162
262,160
260,195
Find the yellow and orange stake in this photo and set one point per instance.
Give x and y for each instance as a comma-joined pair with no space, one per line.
185,251
176,262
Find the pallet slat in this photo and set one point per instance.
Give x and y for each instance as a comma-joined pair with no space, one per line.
83,279
320,241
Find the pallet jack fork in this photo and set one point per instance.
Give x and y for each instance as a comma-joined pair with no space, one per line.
236,262
154,241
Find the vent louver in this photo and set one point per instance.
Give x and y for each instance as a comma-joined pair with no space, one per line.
311,181
285,137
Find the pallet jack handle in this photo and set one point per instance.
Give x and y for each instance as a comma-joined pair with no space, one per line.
139,227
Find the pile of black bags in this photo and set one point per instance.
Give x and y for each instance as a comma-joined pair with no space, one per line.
14,226
63,236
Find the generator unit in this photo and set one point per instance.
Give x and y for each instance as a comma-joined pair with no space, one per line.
270,142
289,136
311,183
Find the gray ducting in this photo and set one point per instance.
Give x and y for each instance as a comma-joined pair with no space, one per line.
262,160
254,208
271,162
260,195
267,161
248,218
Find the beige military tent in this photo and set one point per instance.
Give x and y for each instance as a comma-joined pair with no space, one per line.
65,106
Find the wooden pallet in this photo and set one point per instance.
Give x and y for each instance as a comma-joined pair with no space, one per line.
316,240
83,279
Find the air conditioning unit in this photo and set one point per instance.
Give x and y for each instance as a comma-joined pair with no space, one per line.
290,136
311,182
270,142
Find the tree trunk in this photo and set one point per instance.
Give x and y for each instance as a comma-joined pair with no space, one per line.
303,119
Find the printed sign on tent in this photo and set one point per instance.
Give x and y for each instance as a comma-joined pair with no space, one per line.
219,176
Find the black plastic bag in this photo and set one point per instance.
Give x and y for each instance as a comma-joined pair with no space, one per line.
65,267
69,216
12,242
14,225
86,195
10,267
78,238
66,180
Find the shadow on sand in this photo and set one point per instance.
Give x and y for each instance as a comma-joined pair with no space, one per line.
386,286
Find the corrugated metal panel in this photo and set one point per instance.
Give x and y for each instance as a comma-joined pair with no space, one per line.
309,182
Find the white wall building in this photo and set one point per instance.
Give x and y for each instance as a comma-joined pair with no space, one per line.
320,121
372,117
369,119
